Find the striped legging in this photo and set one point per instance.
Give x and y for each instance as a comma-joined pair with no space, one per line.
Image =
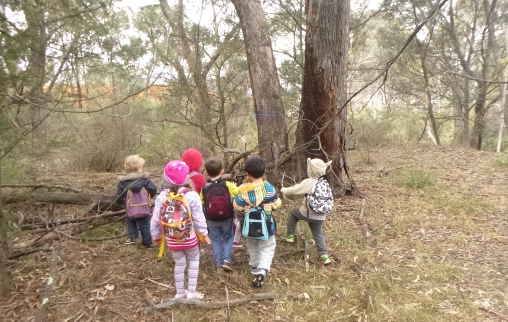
180,257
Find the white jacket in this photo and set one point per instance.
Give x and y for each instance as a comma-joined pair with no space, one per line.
315,169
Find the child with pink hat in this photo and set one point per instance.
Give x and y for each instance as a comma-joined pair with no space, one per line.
178,218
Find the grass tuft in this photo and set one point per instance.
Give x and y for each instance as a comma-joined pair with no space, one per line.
416,179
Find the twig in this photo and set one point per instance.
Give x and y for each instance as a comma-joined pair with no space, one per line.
499,315
214,305
158,283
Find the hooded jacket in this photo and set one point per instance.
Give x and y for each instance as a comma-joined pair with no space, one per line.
315,168
134,181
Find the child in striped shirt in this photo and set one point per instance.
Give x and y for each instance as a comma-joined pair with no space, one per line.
258,193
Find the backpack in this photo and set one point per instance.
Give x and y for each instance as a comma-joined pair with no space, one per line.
176,217
320,201
257,224
138,204
217,201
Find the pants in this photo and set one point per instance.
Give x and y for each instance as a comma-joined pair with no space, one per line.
261,252
136,225
316,227
221,235
181,257
238,231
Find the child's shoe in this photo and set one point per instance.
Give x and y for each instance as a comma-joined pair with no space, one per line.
290,239
227,266
237,245
129,242
180,296
326,260
258,281
195,295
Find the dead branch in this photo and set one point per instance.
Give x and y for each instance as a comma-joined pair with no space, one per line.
71,221
40,186
216,304
54,197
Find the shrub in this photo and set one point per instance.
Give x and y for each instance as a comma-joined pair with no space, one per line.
416,179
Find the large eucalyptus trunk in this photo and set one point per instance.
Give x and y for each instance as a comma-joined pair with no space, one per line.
323,119
266,90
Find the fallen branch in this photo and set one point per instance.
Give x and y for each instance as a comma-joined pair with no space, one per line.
216,304
40,186
21,253
71,221
54,197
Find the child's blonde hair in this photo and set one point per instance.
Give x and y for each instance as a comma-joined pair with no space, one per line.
134,163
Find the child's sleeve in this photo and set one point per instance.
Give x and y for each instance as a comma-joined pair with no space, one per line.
151,188
239,203
298,189
198,217
271,200
155,223
120,193
232,188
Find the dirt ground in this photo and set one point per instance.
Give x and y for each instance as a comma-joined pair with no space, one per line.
428,243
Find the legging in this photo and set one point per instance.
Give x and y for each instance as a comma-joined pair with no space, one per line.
180,257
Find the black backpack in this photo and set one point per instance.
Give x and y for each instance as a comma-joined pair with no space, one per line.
217,201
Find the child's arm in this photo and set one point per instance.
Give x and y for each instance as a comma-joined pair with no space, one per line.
239,204
300,188
120,193
198,217
151,188
232,188
155,223
271,200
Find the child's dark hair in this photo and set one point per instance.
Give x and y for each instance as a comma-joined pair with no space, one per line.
213,167
255,166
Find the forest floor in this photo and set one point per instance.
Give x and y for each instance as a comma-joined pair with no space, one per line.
429,243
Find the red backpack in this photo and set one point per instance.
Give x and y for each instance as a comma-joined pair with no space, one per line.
217,201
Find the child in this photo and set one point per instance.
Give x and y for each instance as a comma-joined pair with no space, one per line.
194,160
178,216
219,213
254,195
134,192
313,215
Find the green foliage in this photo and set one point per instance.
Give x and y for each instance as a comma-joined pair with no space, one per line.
502,160
415,179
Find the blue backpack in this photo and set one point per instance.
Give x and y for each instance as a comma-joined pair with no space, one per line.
257,224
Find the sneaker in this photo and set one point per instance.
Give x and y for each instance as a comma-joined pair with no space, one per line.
237,245
129,242
180,296
326,259
258,281
227,266
290,239
195,295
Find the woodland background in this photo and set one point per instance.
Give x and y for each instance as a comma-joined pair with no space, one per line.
405,96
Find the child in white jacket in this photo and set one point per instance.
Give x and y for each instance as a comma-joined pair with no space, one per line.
316,169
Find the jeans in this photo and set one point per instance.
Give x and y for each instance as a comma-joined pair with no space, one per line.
316,227
221,234
136,225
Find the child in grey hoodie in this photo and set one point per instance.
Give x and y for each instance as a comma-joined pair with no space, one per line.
316,169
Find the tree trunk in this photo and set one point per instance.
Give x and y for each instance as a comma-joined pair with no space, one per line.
5,276
480,106
266,90
324,82
36,71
